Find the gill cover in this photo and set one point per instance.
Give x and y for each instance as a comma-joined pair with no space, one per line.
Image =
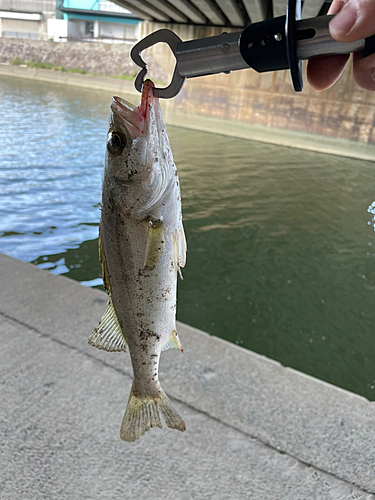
138,148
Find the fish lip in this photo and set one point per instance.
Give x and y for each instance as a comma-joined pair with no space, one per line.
122,104
129,114
136,120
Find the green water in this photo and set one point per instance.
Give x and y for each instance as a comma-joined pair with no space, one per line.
281,244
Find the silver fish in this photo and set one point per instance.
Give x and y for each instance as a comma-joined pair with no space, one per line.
142,247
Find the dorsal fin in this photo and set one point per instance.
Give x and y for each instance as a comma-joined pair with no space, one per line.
108,334
103,264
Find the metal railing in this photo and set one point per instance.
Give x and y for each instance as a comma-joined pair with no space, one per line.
98,39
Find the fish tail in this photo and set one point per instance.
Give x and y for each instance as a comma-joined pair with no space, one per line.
142,413
171,416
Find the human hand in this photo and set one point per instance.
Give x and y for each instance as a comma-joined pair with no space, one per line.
354,20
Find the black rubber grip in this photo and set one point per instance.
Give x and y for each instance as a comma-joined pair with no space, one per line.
369,46
293,14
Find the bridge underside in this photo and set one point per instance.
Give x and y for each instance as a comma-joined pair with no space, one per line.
226,13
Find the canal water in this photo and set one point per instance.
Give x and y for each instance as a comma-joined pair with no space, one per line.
281,244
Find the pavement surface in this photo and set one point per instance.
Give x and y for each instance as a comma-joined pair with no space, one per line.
255,429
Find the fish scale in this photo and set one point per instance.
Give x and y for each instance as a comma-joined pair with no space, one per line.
142,247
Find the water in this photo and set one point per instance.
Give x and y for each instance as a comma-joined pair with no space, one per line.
281,247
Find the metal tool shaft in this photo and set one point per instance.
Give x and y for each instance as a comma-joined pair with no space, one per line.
207,56
221,54
274,44
315,40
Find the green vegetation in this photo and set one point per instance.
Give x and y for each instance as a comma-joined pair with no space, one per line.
31,64
76,70
39,65
16,61
126,77
132,76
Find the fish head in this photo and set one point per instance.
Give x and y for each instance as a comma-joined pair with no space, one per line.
138,151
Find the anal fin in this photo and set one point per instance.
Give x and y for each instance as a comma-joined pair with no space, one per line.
173,342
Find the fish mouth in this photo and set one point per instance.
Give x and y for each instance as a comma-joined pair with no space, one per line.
135,119
123,105
124,114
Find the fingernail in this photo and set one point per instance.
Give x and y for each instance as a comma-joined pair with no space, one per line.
344,21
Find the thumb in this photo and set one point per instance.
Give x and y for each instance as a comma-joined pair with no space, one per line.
364,71
354,21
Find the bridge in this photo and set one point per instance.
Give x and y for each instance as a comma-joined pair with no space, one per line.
225,13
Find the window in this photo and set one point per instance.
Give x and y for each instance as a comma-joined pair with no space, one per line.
89,29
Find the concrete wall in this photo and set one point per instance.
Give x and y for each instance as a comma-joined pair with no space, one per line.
28,5
27,29
22,27
345,111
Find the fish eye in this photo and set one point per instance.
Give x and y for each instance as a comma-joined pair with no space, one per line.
116,142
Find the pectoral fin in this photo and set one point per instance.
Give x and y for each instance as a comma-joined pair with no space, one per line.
180,248
155,244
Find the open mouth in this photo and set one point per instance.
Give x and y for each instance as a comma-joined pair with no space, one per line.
129,115
135,118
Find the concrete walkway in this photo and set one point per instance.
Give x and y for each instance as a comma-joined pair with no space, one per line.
255,430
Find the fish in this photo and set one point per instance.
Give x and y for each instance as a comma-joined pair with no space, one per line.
142,248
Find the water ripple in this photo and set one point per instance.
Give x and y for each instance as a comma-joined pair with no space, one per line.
281,255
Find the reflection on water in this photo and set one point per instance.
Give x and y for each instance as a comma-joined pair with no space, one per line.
80,263
281,251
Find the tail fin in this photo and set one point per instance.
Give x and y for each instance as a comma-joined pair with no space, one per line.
143,413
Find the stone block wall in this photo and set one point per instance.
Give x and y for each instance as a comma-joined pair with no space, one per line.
99,58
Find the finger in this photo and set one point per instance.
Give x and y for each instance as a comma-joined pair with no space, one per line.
323,72
336,6
354,21
364,71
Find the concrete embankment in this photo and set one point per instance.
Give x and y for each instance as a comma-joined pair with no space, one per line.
345,111
187,117
255,430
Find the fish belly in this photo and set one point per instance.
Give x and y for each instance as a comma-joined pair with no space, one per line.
143,291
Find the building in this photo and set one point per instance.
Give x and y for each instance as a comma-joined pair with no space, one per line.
26,18
62,20
97,20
